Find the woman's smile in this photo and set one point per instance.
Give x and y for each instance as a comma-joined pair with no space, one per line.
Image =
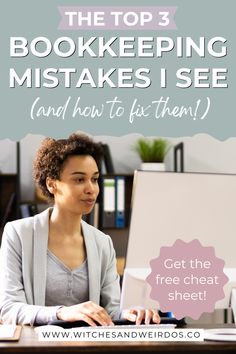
88,201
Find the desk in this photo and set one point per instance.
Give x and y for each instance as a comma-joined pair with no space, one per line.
29,343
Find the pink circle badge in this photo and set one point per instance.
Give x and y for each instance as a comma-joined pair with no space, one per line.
187,279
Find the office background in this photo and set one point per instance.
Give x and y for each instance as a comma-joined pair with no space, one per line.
202,153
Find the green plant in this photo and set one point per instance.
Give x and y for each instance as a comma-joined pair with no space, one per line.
152,150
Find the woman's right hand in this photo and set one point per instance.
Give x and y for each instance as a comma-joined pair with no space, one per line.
87,311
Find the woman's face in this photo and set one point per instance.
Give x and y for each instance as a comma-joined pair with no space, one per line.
77,189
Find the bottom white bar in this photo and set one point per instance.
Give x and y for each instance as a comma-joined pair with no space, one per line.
100,334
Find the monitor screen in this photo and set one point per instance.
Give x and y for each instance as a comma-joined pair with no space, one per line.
167,206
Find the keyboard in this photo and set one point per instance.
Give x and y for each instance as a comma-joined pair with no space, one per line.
165,322
142,326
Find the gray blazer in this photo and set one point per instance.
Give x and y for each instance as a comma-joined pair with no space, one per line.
23,269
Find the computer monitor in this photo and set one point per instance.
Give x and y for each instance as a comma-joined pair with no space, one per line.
167,206
136,290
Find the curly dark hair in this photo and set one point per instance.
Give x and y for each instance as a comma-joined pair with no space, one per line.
52,155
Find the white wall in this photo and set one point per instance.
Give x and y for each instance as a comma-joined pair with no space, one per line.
202,154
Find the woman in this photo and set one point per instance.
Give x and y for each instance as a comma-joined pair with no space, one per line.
55,265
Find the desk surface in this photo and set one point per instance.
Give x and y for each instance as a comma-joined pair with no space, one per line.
29,343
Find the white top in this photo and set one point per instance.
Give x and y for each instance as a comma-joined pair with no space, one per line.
63,285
